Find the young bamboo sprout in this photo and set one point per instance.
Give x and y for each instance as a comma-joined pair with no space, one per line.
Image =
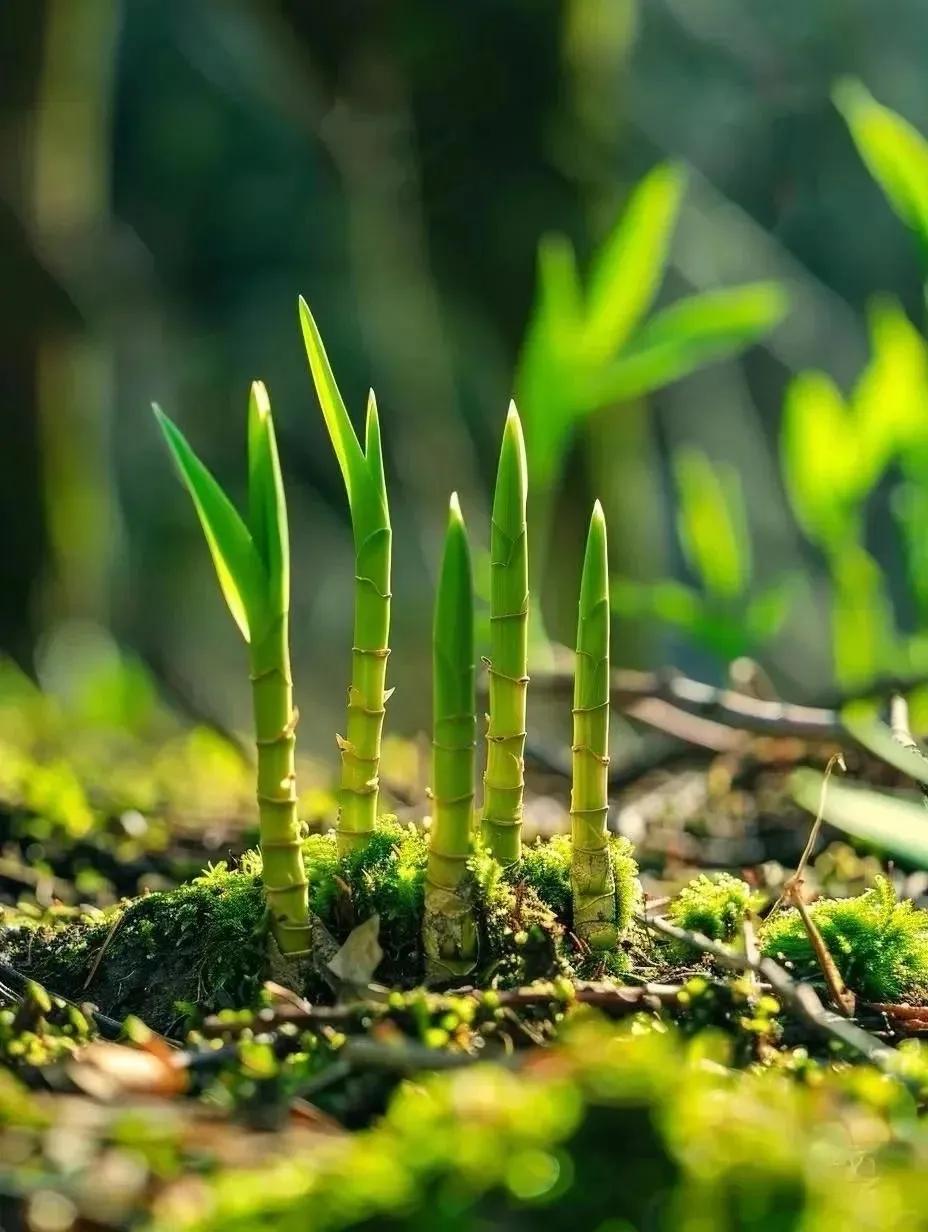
253,564
504,780
362,471
449,930
592,878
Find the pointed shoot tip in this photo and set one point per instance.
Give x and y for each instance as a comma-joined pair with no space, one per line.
262,402
454,509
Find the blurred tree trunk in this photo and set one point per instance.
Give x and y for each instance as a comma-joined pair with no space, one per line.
69,209
55,375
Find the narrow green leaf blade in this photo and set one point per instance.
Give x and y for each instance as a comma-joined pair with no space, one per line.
895,154
711,523
630,264
895,826
238,566
697,330
454,666
373,453
267,502
545,382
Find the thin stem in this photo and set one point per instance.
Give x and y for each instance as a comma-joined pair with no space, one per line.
275,735
592,877
504,780
449,928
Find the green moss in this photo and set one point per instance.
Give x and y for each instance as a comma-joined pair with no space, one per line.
197,948
879,944
385,877
174,956
714,905
546,868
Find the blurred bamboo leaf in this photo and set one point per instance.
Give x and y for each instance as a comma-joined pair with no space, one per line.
626,272
688,334
895,826
711,524
862,723
586,350
895,153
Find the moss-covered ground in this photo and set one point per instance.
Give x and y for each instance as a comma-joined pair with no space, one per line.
648,1088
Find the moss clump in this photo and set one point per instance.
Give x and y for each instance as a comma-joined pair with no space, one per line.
546,868
167,957
715,906
386,877
880,945
172,957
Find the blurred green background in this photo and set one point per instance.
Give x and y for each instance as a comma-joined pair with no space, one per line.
174,174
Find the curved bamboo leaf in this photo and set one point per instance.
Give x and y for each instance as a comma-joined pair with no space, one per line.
366,491
894,151
630,265
895,826
238,566
267,503
694,331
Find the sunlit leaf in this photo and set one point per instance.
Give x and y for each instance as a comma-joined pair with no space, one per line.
877,737
629,266
267,504
238,565
890,399
363,481
895,826
695,331
820,453
895,153
711,523
863,630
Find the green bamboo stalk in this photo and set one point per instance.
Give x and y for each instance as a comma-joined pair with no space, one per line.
592,877
504,780
449,930
363,473
253,565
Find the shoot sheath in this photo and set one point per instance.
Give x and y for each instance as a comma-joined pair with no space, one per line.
504,780
449,929
592,877
363,474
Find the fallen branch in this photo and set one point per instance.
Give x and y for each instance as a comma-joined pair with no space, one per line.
801,998
611,999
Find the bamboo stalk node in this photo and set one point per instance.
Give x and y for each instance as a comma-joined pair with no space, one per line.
277,801
369,789
460,857
590,709
454,748
520,735
589,851
381,594
446,802
294,885
266,672
590,812
282,844
382,652
601,758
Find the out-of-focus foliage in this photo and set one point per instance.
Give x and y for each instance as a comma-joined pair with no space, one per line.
712,530
895,152
589,348
894,826
701,1147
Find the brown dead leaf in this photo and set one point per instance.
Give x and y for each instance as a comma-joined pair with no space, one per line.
108,1071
